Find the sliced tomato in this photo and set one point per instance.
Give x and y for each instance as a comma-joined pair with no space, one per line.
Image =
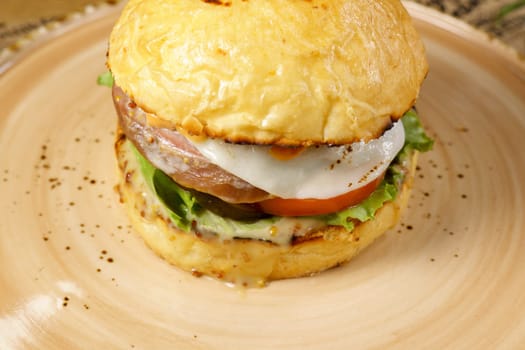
305,207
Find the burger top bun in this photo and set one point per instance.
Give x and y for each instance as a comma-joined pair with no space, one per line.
288,72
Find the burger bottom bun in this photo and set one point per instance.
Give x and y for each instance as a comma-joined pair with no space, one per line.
245,261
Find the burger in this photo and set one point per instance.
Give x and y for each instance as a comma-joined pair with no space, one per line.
262,140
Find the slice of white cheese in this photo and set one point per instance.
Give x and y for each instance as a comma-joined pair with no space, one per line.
317,172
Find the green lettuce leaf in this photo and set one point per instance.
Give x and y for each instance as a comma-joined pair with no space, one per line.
415,136
365,210
181,205
180,202
105,79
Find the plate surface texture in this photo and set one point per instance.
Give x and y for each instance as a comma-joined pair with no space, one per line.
74,275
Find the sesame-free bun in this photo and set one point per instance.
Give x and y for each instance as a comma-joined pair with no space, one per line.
274,71
245,260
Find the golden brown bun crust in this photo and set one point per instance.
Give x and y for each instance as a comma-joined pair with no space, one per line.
296,72
250,261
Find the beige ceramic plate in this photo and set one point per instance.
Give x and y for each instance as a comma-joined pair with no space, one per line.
74,275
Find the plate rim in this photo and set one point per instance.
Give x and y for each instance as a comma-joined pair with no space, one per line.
82,23
464,30
30,42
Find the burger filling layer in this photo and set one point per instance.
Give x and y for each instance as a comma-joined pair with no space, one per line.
196,194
